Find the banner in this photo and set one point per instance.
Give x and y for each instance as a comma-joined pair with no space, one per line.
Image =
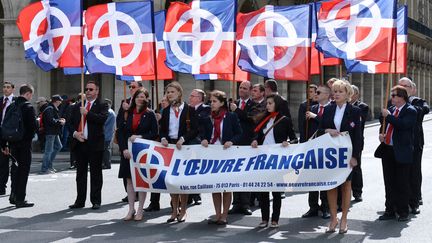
318,165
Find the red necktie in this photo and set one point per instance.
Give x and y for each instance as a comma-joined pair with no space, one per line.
84,118
176,112
243,104
321,110
390,129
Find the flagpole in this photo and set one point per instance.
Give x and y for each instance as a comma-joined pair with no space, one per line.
124,90
82,72
155,102
309,73
390,77
340,71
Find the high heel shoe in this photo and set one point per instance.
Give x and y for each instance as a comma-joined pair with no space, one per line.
170,220
129,217
343,230
331,229
139,216
181,218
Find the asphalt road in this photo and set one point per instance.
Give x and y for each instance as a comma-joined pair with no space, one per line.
50,220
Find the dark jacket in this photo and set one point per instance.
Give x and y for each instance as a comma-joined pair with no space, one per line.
246,122
364,114
202,113
147,128
188,128
403,132
350,123
29,121
280,131
51,120
302,119
96,118
231,130
120,119
1,108
422,108
286,112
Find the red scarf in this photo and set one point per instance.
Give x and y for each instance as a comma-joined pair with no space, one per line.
265,120
217,118
136,119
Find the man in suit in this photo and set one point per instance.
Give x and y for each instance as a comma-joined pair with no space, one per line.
271,87
357,179
21,151
422,108
259,105
242,107
312,119
6,100
87,127
202,112
396,151
312,89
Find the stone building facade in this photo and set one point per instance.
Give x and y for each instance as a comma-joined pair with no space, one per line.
15,68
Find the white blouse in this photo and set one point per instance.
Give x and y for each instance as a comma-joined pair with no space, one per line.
338,116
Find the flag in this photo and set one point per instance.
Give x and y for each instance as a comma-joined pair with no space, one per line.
163,72
356,29
51,32
199,37
275,41
317,58
77,70
238,76
354,66
120,38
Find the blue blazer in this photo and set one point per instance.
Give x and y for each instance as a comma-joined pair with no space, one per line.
350,123
403,132
231,130
147,128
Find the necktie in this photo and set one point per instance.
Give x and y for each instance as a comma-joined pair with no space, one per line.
243,104
84,118
176,111
3,106
321,110
390,129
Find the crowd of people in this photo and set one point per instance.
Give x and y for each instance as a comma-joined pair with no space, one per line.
259,117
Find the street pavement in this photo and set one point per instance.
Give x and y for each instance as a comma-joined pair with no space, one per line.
50,220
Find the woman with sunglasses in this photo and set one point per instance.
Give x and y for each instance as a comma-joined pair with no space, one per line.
340,116
223,128
177,126
273,129
141,123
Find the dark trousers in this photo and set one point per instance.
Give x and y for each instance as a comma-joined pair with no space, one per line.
84,158
313,201
154,198
416,178
4,171
396,182
265,205
357,179
20,173
241,199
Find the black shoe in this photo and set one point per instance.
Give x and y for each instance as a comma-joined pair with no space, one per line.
283,195
198,202
358,198
95,206
2,192
235,210
152,208
310,213
387,216
76,205
415,210
421,202
247,211
12,198
125,199
325,215
339,209
72,167
402,218
24,204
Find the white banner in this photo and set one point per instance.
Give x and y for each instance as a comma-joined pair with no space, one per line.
318,165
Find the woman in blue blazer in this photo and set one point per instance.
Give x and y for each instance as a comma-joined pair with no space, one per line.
341,116
223,128
141,123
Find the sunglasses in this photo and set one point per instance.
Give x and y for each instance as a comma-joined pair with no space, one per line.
318,92
394,95
132,87
89,89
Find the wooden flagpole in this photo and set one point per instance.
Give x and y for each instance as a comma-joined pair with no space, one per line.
155,81
309,75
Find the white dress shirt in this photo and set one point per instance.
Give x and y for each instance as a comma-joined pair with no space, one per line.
174,122
269,138
338,116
